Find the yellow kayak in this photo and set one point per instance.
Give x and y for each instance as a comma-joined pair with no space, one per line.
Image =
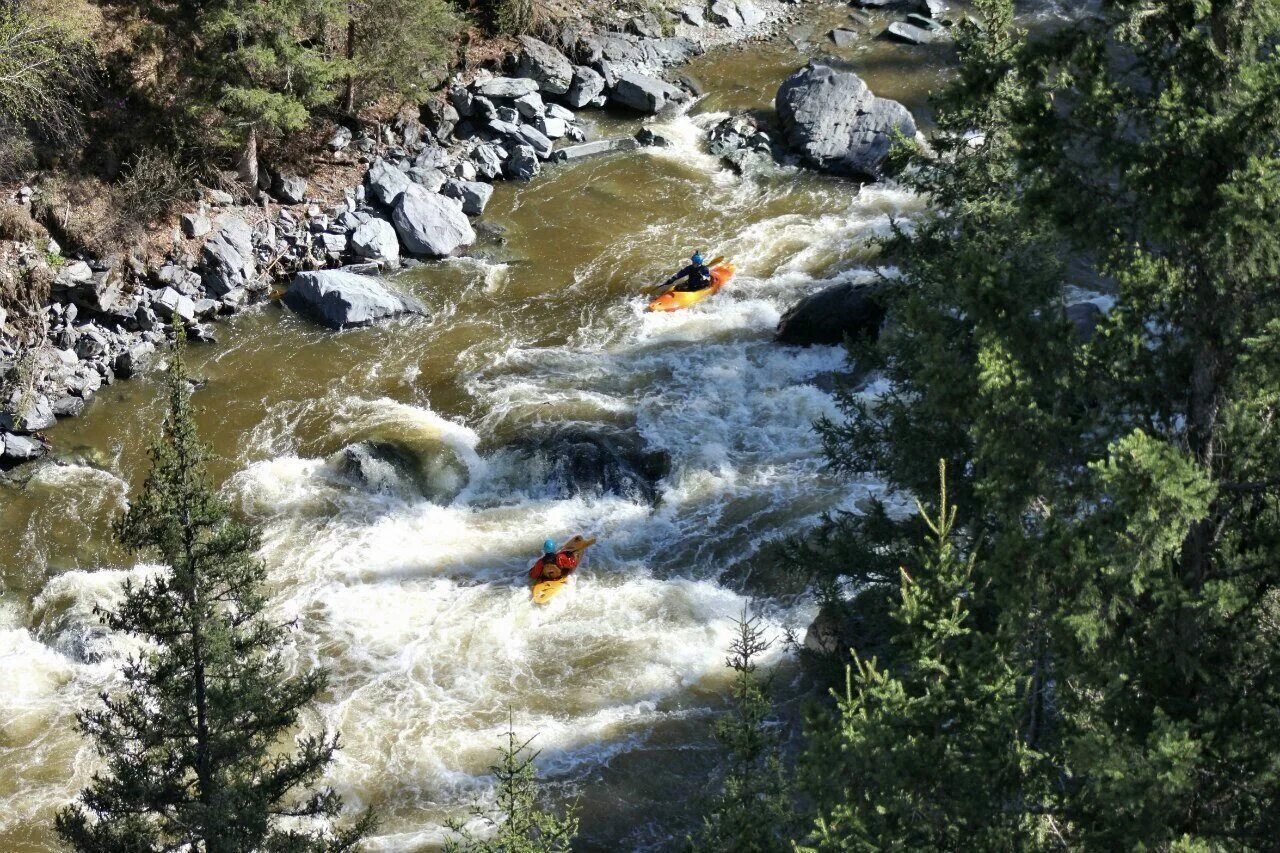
544,591
674,300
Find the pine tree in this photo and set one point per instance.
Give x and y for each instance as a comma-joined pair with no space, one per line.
753,812
192,744
1123,483
926,754
516,823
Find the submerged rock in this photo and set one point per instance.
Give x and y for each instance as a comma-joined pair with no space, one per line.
832,120
572,459
340,299
391,468
831,315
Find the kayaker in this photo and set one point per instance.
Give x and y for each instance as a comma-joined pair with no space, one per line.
553,564
697,276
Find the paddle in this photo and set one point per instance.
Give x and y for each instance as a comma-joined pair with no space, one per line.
655,288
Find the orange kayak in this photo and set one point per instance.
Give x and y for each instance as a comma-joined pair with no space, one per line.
674,300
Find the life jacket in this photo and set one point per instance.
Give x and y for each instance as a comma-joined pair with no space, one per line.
554,566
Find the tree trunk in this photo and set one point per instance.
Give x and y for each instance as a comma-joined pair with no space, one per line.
247,168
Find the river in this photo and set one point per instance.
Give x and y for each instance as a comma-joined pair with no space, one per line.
417,604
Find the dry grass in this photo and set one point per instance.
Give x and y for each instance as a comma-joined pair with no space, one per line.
16,224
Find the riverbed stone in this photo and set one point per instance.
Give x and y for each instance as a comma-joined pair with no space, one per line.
835,123
829,316
844,37
342,300
227,256
906,33
376,240
643,93
544,64
587,88
474,195
18,448
593,149
25,413
523,164
430,224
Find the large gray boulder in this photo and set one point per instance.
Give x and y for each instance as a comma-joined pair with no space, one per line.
644,93
290,189
587,88
831,315
227,257
523,164
386,183
832,119
376,240
341,300
548,67
505,87
26,413
474,195
430,224
16,448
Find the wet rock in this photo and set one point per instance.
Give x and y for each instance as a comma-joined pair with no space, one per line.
376,240
593,149
587,88
547,66
17,448
227,257
127,363
644,93
341,300
572,460
844,38
390,468
649,138
474,195
835,123
829,634
1085,317
508,88
430,224
831,315
67,406
385,183
523,164
906,33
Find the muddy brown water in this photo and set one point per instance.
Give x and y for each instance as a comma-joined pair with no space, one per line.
414,601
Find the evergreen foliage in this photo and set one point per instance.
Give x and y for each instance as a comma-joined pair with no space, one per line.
753,812
401,46
516,823
928,754
192,743
1123,483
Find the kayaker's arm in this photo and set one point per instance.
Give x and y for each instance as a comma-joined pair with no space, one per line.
684,273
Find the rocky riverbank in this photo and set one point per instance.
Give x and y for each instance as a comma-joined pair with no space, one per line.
415,187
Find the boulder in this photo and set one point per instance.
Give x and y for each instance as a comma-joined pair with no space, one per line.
931,8
530,107
843,37
835,123
128,362
905,33
587,88
1085,317
170,304
385,183
542,63
832,314
227,256
694,16
17,448
643,93
509,88
441,117
195,225
474,195
391,468
341,300
725,13
376,240
340,139
573,459
523,164
550,127
26,413
430,224
487,161
290,189
600,146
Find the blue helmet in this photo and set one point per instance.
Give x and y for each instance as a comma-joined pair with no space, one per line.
549,546
697,258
